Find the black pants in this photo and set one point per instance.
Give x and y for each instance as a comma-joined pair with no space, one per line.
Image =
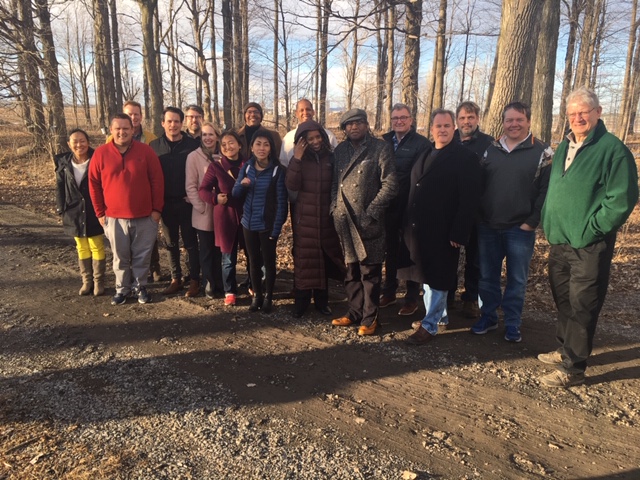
176,222
261,250
362,284
210,260
579,279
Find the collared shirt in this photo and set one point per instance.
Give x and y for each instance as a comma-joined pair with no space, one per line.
572,150
503,142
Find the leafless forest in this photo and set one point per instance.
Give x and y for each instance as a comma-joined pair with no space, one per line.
73,62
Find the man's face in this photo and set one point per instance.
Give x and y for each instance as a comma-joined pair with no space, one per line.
401,121
304,111
467,122
193,120
516,126
135,114
442,130
252,117
172,126
582,118
356,130
121,131
314,139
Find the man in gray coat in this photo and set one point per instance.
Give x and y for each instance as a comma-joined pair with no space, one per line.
364,183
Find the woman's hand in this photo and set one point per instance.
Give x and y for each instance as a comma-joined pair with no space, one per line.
299,148
222,198
245,182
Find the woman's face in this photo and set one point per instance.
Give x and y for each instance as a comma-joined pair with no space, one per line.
229,147
209,137
314,139
261,148
78,144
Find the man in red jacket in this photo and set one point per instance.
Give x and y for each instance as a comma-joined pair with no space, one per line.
127,190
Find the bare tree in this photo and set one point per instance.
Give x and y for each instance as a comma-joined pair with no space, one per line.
624,125
103,62
390,22
352,57
214,62
590,32
545,70
115,40
516,60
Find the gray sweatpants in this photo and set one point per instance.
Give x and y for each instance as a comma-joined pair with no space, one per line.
131,244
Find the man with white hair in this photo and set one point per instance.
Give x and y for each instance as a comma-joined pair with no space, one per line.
593,189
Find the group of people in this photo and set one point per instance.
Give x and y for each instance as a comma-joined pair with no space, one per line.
403,201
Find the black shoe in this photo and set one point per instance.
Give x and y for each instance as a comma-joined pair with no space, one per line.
267,305
297,313
119,299
143,295
256,303
325,310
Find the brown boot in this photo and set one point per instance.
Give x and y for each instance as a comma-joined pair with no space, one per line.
86,272
174,287
99,267
194,289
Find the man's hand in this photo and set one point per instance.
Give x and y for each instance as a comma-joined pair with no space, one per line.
454,244
245,182
156,216
101,220
526,228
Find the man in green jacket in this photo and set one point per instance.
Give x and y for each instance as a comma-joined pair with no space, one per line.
592,191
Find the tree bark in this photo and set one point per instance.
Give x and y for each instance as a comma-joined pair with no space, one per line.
115,39
436,92
151,65
104,63
227,79
574,15
324,37
391,20
545,70
411,62
517,43
57,120
381,67
276,32
214,62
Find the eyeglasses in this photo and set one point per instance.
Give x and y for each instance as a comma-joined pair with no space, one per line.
580,114
403,118
253,112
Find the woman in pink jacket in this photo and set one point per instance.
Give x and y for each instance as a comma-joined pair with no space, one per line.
227,211
198,162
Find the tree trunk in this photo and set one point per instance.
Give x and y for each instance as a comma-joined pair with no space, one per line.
244,90
391,20
214,62
29,57
411,62
322,102
352,62
573,15
381,67
57,120
84,73
492,80
104,63
436,92
276,32
624,125
590,29
202,71
545,71
238,76
151,65
227,80
115,39
517,43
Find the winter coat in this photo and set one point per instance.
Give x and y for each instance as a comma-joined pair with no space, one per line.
364,183
314,234
265,198
443,202
595,195
220,178
73,202
202,213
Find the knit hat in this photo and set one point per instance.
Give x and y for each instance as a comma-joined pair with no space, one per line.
352,115
253,105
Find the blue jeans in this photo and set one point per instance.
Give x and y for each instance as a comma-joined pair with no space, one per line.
229,261
516,245
435,303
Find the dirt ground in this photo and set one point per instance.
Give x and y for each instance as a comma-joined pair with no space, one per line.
463,406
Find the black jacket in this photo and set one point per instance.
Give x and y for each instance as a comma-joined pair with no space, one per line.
173,159
73,202
411,146
478,143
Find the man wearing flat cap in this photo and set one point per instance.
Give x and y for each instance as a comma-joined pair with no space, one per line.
253,122
364,183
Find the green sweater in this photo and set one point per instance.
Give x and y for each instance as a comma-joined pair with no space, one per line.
596,194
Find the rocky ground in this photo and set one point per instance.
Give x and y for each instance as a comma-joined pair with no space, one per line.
187,388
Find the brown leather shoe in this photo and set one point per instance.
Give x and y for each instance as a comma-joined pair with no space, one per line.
408,309
174,287
386,300
341,322
419,337
194,289
368,330
470,310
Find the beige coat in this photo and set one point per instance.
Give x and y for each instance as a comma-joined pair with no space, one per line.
202,214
